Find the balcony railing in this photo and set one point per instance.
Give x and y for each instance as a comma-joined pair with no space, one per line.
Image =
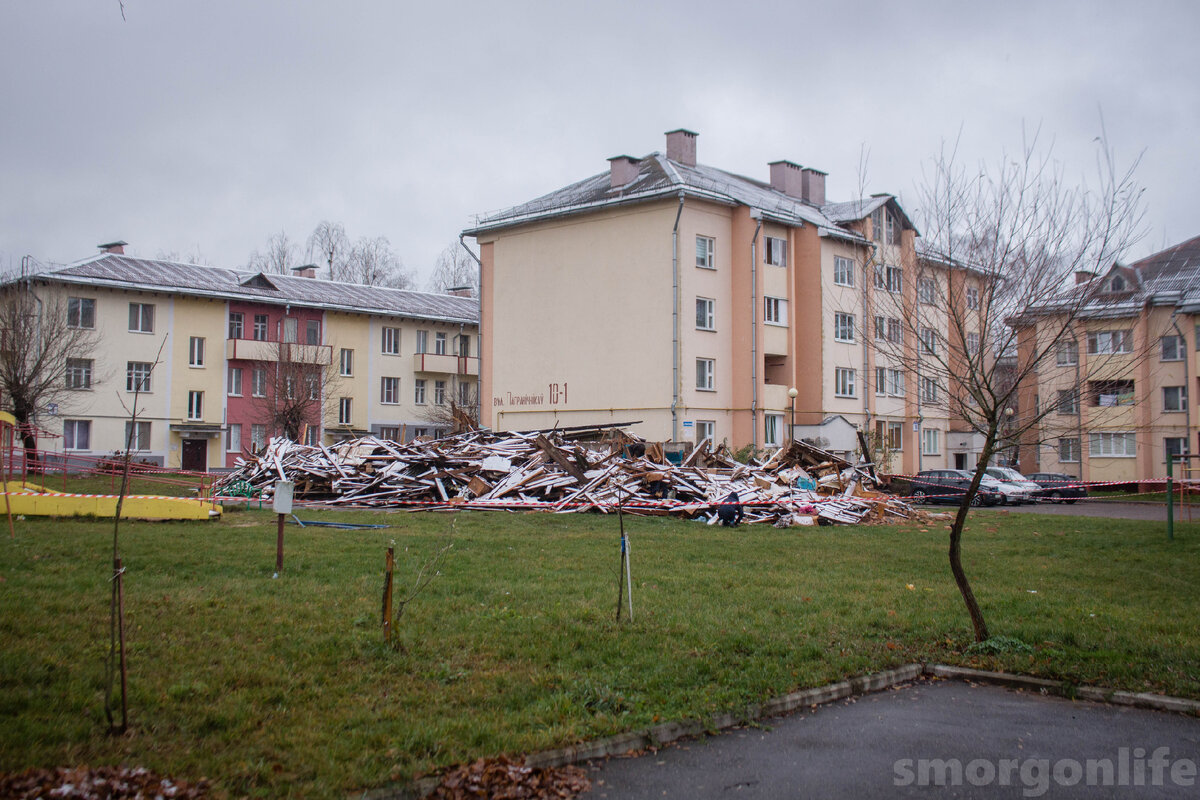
290,352
449,365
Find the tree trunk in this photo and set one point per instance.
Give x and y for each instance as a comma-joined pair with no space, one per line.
956,530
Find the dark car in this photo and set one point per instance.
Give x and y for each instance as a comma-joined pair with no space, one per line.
1058,487
948,486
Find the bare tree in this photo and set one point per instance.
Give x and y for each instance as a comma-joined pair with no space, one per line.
329,243
373,263
1000,244
297,388
46,347
454,269
193,256
459,410
279,256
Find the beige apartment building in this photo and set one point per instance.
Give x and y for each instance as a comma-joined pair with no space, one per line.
691,300
1118,391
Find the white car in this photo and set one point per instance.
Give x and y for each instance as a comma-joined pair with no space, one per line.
1012,485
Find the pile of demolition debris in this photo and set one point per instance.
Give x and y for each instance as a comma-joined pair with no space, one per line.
592,468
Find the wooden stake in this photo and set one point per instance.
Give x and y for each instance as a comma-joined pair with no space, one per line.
389,568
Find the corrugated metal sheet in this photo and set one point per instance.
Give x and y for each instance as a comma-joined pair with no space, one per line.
121,271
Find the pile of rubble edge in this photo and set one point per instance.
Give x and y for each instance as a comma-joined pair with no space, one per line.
592,468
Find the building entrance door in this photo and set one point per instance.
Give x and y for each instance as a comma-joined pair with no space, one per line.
960,460
195,455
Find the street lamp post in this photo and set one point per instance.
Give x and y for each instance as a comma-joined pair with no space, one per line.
792,393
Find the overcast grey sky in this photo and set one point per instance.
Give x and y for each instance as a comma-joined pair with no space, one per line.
208,126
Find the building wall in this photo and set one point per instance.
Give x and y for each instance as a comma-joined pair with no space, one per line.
177,319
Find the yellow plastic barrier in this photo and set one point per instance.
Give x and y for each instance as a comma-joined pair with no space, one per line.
33,500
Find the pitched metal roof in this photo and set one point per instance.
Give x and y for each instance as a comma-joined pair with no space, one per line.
125,272
659,177
1169,277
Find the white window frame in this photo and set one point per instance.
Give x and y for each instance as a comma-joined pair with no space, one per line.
235,381
419,391
843,327
1068,446
845,382
895,279
880,328
439,343
972,297
775,311
71,439
929,391
1167,450
775,251
312,331
1174,398
772,430
843,271
196,351
261,331
1067,402
931,441
1067,353
927,290
138,375
422,342
439,393
258,382
1105,343
929,341
140,439
705,314
390,343
895,331
233,438
141,315
345,410
1103,444
1177,349
79,373
881,381
237,325
973,348
346,362
258,436
896,382
705,374
389,390
195,406
706,252
706,429
81,313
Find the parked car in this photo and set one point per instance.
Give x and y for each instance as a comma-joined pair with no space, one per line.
1058,487
948,486
1015,487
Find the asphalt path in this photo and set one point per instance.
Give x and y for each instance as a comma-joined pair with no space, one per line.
927,739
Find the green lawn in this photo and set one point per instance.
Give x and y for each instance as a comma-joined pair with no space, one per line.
284,687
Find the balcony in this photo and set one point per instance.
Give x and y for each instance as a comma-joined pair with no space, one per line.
290,352
449,365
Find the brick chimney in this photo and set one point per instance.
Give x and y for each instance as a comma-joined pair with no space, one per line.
681,147
786,178
460,291
1083,276
305,271
622,170
116,248
814,186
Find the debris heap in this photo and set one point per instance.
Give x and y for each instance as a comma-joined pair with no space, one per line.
559,471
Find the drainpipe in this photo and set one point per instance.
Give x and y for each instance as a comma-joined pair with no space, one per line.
675,323
479,283
755,215
867,337
1187,402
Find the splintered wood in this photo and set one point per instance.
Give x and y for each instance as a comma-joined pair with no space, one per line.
545,470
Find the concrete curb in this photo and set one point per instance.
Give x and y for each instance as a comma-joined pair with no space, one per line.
669,732
1096,694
